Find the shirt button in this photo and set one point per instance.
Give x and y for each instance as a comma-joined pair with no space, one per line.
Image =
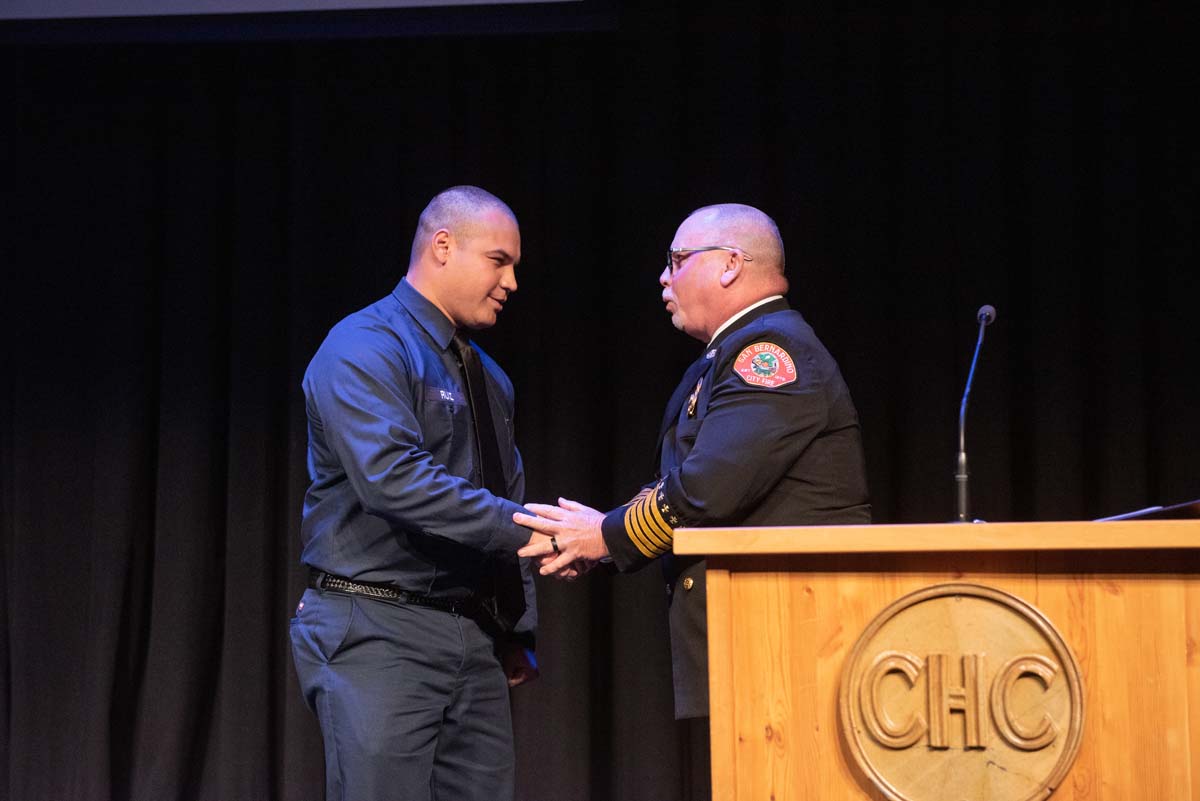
688,583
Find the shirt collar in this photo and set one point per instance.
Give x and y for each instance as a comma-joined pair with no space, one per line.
739,315
430,317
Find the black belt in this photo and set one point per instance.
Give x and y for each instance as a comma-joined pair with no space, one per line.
320,580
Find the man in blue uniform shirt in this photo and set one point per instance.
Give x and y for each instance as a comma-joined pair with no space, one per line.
419,616
761,431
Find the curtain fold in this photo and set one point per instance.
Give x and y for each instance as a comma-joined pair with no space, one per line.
185,222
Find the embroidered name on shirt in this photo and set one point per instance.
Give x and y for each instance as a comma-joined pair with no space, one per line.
444,395
764,364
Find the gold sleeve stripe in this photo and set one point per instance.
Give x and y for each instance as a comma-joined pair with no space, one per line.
660,539
643,526
646,531
646,527
655,522
646,549
656,516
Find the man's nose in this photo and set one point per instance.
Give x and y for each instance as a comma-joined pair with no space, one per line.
664,278
508,279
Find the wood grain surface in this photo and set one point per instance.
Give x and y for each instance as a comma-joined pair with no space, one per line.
781,624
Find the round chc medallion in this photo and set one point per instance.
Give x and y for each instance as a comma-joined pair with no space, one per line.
962,691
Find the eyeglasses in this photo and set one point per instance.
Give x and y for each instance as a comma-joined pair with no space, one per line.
677,256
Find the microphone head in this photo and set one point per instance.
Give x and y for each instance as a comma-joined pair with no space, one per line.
986,314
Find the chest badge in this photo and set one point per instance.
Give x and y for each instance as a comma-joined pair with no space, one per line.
691,407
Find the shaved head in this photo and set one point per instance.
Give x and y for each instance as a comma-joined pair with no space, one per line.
461,211
723,259
746,227
465,254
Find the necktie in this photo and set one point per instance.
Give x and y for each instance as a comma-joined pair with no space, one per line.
509,586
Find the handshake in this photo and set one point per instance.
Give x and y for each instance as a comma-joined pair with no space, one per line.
567,541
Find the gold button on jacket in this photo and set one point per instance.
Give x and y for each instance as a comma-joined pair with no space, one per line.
688,582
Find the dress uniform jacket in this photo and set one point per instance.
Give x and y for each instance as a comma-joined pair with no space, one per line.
761,432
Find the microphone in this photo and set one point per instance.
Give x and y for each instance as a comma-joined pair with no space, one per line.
985,316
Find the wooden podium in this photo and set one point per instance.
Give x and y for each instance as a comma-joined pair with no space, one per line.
786,607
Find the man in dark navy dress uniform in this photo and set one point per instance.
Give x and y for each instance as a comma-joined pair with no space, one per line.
761,431
419,616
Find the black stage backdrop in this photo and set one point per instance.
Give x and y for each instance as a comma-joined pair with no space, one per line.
183,222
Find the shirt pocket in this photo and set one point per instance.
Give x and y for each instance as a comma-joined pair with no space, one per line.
447,427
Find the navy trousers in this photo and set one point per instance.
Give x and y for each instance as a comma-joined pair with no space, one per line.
412,702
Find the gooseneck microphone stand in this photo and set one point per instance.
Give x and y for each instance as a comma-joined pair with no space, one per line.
985,316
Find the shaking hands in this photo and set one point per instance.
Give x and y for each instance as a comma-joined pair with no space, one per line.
567,541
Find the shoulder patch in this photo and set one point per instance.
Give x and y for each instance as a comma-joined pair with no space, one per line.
765,364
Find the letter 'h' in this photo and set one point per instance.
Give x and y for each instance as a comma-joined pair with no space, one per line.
968,699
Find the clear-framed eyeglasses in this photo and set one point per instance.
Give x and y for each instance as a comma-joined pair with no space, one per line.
676,256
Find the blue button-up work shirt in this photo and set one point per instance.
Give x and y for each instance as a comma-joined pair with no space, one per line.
395,494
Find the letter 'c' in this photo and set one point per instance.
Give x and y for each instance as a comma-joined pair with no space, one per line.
878,722
1006,722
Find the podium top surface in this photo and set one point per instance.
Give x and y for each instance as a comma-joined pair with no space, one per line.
1073,535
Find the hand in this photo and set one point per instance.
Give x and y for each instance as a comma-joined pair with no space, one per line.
520,665
573,527
579,567
569,573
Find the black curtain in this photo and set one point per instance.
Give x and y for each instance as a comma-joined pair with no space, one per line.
184,221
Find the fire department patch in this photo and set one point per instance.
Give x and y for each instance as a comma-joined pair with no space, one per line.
764,364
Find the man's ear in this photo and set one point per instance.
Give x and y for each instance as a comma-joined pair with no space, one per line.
441,243
733,269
